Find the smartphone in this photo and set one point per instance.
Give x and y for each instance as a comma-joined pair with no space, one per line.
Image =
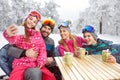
21,30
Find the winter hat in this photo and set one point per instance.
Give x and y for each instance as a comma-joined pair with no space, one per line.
36,14
48,22
65,25
94,35
90,29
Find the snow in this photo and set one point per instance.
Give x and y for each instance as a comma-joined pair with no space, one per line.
56,37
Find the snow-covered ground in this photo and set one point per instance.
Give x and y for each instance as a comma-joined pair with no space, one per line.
56,37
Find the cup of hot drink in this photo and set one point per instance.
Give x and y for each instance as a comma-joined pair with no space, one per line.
68,57
82,52
105,55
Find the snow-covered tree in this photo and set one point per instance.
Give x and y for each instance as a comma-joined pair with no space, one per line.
15,11
50,11
102,14
5,12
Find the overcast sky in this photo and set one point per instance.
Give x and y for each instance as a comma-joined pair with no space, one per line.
69,9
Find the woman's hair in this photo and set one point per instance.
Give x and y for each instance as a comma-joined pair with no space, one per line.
74,38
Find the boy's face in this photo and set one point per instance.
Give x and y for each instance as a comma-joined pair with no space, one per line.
89,38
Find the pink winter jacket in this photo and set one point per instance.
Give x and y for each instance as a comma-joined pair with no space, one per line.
61,49
35,42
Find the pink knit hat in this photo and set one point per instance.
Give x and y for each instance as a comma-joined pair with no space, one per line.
36,14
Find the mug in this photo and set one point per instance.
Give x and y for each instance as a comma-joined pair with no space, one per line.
82,52
105,55
68,57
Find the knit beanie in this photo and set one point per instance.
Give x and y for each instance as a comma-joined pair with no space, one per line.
94,36
35,14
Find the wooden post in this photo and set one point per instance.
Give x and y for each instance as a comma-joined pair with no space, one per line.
100,26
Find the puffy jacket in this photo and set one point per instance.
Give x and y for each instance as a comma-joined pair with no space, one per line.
80,41
35,42
101,45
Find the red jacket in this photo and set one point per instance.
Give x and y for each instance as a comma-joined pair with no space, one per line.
36,41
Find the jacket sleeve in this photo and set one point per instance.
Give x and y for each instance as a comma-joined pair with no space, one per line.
108,42
61,50
118,58
117,54
53,51
81,41
12,50
41,60
10,39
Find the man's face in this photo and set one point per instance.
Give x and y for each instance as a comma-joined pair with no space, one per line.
45,31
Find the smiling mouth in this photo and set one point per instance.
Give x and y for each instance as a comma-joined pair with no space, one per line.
45,32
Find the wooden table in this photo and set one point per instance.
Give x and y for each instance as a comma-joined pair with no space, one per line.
90,68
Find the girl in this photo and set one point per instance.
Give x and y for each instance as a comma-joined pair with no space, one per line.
31,39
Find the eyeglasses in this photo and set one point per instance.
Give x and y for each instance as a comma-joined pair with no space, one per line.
63,24
88,28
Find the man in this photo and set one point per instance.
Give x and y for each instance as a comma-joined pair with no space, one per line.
46,28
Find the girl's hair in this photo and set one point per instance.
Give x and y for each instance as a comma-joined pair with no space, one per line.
32,13
74,38
26,33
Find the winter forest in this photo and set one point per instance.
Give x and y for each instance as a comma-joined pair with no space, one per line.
104,15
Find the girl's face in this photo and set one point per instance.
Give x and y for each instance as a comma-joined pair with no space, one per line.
64,33
31,22
89,38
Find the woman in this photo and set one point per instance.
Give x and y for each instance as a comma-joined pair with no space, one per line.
96,45
31,39
68,42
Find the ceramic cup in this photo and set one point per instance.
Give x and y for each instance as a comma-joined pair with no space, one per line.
68,57
105,55
82,52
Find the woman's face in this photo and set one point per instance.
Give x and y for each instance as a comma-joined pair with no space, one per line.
64,33
89,38
31,22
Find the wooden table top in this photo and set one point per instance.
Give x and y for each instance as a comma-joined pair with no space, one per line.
90,68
